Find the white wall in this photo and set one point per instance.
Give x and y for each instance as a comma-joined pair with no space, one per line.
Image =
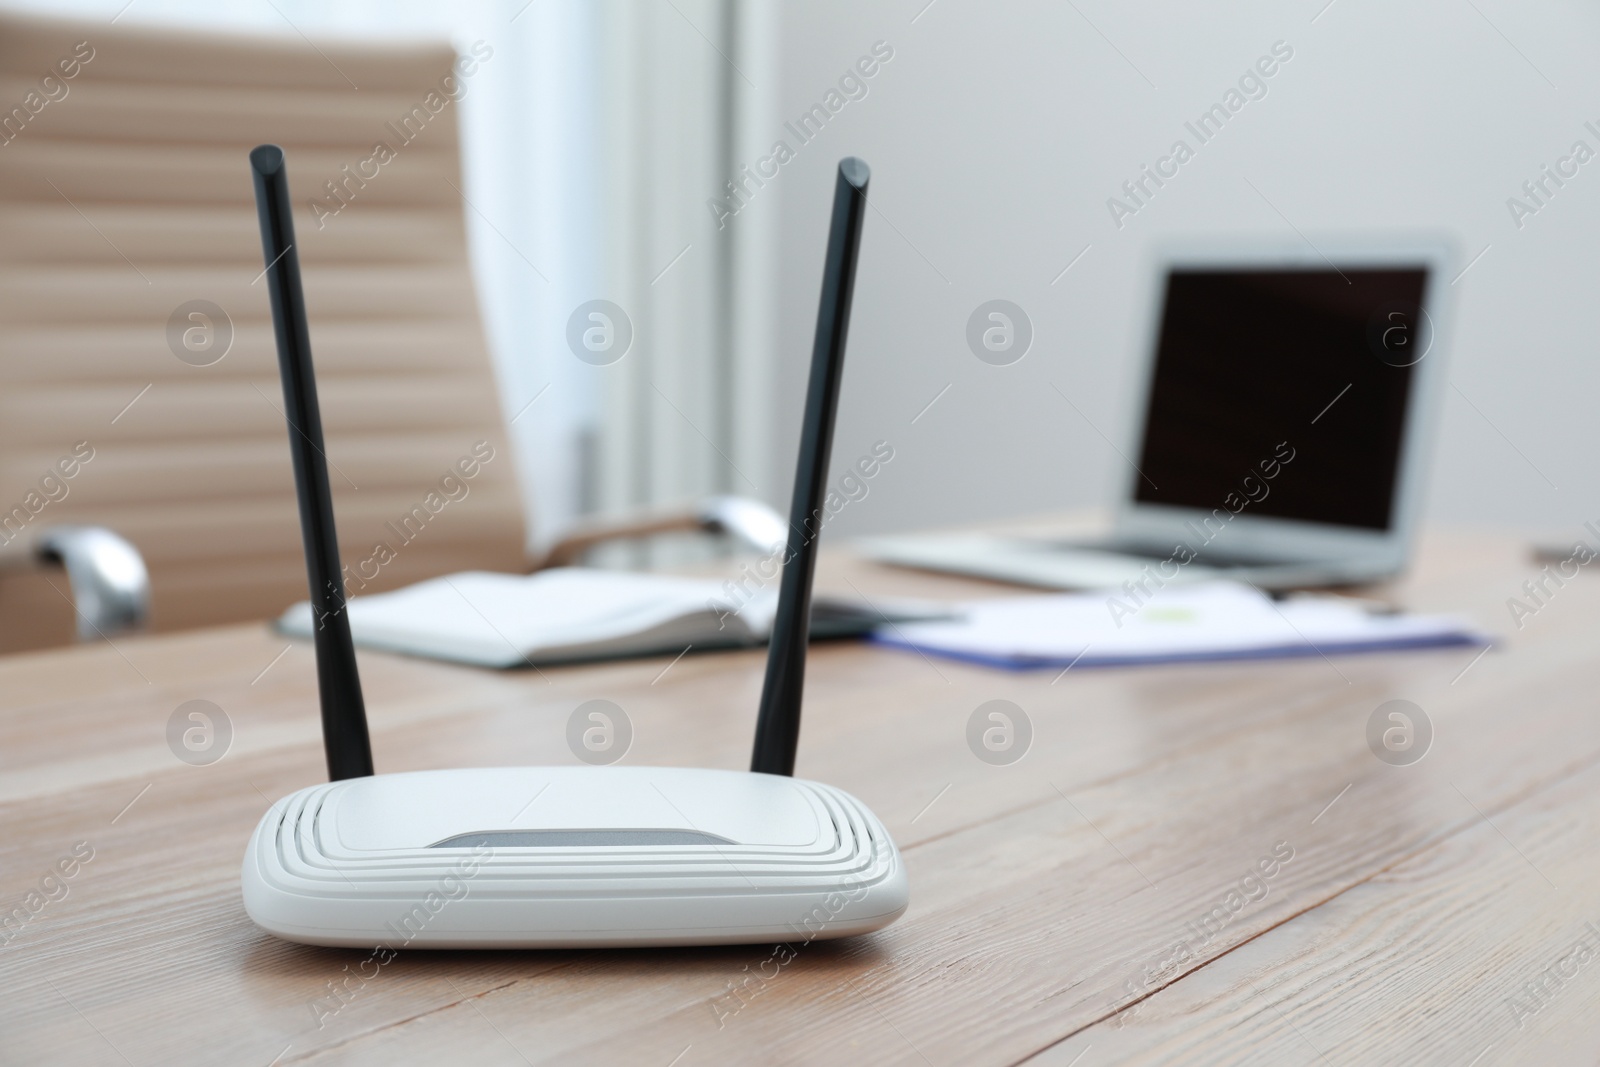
997,133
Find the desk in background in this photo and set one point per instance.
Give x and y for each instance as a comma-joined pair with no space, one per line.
1064,906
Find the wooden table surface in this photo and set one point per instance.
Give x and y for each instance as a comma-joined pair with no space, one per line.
1099,901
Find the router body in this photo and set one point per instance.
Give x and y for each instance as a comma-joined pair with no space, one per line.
564,857
547,857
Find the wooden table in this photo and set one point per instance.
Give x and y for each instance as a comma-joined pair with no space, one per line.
1071,908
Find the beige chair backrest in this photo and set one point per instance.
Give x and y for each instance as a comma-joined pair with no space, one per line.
129,252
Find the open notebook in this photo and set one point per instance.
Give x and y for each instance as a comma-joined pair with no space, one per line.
569,614
1204,621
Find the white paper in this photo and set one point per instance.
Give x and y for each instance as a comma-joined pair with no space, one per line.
1208,620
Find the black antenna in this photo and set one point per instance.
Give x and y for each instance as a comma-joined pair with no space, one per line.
778,727
344,715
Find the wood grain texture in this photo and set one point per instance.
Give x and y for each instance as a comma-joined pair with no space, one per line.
1481,949
1047,896
127,196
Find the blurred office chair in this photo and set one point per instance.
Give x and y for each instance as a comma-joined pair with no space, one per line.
136,350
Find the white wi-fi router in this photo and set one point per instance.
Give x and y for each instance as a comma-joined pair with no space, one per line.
545,857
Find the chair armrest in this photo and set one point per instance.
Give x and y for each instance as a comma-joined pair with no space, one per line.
750,522
110,586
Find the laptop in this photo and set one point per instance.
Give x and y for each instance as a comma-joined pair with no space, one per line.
1279,434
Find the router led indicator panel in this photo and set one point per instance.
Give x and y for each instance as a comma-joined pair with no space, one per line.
1250,363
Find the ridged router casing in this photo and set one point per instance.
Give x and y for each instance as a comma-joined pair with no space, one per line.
562,857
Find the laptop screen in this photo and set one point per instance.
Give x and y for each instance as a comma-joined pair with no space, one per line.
1297,379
